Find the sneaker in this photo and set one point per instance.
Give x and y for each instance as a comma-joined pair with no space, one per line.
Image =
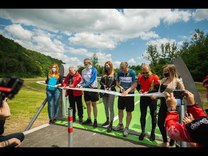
152,137
125,132
87,122
50,121
109,129
119,127
142,135
106,123
94,124
172,142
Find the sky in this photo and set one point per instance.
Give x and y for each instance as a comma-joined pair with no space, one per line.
116,35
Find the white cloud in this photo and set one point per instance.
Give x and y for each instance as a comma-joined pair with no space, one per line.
141,60
116,64
174,16
71,61
200,14
148,35
103,57
80,51
158,42
46,44
18,32
180,43
69,20
91,40
97,28
183,37
37,40
132,62
89,28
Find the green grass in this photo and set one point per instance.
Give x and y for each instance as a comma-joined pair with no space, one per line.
24,106
200,87
202,93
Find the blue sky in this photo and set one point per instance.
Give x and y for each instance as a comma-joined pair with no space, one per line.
74,34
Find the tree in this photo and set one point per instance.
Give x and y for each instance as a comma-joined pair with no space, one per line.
16,60
80,68
169,51
94,60
137,68
99,70
195,55
152,54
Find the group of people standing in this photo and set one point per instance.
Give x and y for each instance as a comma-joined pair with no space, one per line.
150,83
127,81
193,129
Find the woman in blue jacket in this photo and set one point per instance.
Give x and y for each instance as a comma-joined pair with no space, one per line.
54,80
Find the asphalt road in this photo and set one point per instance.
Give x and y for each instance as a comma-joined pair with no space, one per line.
57,136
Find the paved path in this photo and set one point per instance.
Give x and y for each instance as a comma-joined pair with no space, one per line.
57,136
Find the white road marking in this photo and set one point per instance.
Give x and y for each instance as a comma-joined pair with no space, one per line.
35,129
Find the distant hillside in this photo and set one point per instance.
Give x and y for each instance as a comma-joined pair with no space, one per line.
19,61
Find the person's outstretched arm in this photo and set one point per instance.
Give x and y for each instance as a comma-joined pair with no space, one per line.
174,129
192,107
13,142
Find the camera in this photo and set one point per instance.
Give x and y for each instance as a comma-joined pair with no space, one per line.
178,94
9,87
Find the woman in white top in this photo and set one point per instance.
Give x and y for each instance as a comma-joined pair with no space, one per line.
170,81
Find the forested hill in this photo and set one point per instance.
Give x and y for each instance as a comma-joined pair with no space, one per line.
19,61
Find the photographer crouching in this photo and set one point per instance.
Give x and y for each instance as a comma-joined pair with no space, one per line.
8,88
194,128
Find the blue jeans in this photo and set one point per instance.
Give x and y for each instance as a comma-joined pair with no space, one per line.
53,98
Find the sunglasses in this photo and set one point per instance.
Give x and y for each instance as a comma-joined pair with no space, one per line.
145,72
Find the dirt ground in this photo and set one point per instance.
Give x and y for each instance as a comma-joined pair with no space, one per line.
19,124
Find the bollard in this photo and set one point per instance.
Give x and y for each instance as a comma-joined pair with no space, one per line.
70,127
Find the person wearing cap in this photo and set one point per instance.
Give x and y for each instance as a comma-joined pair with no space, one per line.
195,123
148,83
126,81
